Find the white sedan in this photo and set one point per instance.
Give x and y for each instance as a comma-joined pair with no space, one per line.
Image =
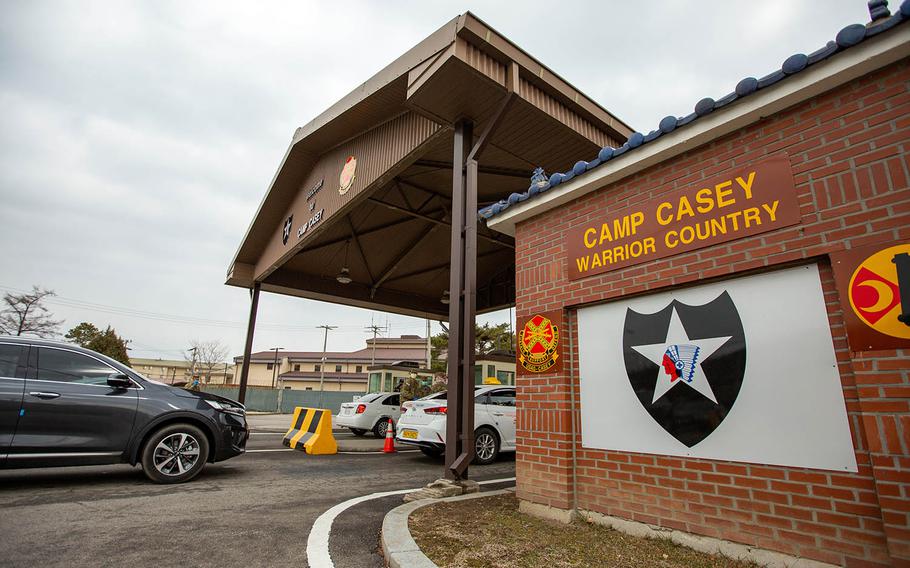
424,423
370,412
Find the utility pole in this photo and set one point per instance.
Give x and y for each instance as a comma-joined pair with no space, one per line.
375,329
325,342
193,366
275,365
429,347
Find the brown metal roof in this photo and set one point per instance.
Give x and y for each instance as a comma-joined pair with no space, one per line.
363,355
390,228
315,375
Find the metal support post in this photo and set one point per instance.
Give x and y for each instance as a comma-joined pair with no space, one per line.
460,415
248,347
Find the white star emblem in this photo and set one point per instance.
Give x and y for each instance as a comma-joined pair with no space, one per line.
680,359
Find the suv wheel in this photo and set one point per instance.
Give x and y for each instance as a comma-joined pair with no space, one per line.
380,428
175,453
486,446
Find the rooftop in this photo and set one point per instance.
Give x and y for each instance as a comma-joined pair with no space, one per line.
848,37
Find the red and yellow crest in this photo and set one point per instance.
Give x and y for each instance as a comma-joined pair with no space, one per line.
348,175
538,344
875,292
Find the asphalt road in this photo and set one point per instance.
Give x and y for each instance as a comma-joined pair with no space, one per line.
253,510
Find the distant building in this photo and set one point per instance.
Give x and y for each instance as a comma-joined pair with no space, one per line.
344,371
386,378
172,371
499,365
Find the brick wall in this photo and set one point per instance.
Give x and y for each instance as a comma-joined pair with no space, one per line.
848,150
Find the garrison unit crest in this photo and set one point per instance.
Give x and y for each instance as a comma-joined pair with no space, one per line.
538,344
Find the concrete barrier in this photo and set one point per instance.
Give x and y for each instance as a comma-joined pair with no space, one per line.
311,432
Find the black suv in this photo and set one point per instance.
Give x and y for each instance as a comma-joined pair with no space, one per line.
63,405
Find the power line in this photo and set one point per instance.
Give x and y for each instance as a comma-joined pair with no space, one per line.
182,320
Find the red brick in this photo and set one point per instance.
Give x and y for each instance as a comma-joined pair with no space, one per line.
849,154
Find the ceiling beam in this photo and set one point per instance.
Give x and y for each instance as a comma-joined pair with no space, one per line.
405,253
491,170
416,215
363,256
440,266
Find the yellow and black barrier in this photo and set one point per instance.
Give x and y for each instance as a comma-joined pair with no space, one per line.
311,431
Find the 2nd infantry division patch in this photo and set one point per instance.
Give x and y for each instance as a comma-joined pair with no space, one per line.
538,344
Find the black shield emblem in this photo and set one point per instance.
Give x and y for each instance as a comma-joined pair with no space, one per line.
286,232
686,364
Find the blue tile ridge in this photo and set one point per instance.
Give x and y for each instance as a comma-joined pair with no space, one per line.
882,21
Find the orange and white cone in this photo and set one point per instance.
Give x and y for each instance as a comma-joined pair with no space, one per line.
389,446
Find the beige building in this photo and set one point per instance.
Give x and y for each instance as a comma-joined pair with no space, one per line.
386,378
342,371
172,371
499,365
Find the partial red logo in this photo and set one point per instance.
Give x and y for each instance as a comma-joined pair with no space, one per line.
875,291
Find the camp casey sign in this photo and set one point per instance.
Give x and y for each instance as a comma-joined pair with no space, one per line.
746,202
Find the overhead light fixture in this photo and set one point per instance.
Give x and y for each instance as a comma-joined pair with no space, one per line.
445,297
344,277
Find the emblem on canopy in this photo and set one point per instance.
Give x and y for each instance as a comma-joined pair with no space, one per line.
348,174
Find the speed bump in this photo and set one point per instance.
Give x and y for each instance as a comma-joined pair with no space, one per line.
311,431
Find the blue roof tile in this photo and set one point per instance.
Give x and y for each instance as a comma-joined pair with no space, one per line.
847,37
795,63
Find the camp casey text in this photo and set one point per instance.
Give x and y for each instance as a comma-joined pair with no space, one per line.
738,206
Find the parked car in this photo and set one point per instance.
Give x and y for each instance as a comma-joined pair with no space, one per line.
61,405
370,412
424,423
436,395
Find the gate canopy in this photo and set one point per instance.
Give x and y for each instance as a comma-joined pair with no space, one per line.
359,210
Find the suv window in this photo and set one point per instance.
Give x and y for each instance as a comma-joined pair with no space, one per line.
393,400
11,357
502,397
69,367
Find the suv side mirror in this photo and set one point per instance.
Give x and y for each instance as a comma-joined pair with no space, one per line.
119,381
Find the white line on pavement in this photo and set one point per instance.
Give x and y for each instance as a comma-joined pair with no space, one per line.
317,544
371,453
379,452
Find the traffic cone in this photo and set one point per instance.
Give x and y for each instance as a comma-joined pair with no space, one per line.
389,446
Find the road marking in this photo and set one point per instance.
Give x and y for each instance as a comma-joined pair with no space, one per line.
379,452
317,544
371,453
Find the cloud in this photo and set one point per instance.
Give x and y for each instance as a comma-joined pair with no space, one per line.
138,139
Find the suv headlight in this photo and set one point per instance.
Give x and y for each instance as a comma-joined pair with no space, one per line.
228,407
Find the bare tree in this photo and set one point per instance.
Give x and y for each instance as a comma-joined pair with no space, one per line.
25,314
207,355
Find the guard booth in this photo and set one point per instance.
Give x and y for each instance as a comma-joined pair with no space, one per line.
375,202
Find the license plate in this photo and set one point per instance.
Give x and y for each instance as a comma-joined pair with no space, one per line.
410,434
345,411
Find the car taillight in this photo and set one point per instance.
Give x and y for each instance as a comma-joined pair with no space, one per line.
436,410
361,408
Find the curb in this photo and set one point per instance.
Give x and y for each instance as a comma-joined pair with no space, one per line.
399,547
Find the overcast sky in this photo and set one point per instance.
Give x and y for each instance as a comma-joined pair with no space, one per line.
137,140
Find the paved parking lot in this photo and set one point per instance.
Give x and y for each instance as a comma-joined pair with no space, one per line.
254,510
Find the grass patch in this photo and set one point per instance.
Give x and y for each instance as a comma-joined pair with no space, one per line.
491,533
